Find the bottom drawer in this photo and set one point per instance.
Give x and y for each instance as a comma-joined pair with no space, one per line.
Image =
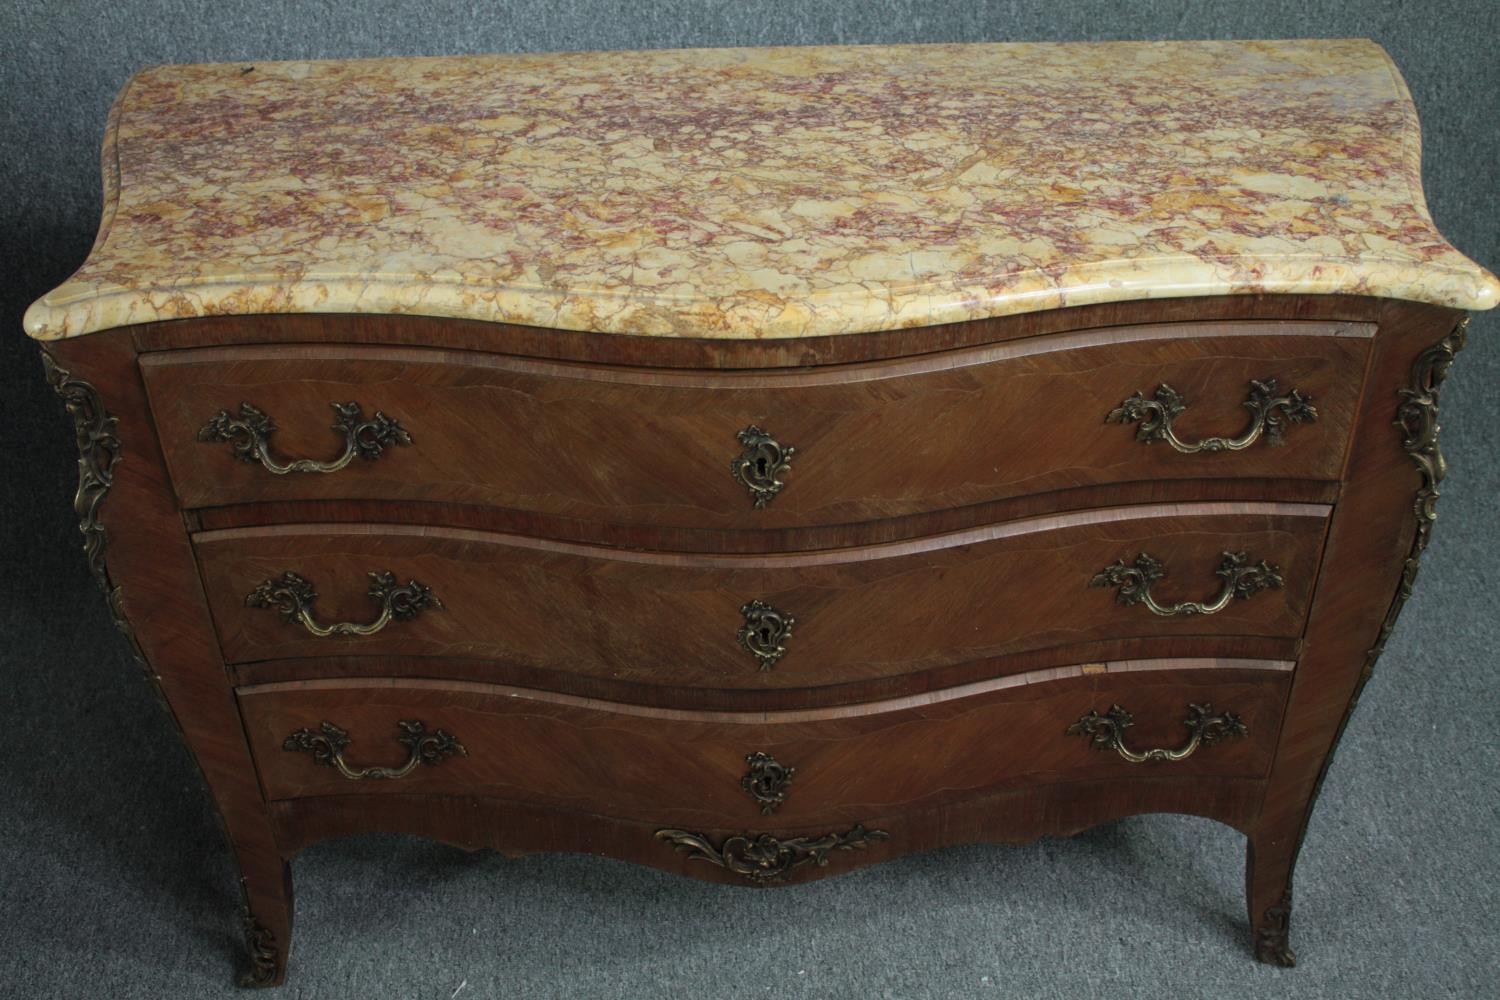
338,737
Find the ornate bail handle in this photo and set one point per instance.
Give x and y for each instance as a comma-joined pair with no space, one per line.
1241,579
760,466
293,596
1106,732
328,743
250,433
1269,415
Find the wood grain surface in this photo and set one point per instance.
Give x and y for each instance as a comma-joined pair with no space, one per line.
673,619
607,614
873,441
685,768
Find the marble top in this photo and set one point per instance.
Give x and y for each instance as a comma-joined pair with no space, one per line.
741,193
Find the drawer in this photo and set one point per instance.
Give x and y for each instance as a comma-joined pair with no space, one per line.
847,765
790,620
848,443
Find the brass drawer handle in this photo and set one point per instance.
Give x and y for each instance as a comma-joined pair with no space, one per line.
250,433
293,596
760,466
1269,415
763,858
328,743
765,632
1106,732
1241,579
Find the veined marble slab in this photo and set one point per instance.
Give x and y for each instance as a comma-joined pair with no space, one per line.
740,193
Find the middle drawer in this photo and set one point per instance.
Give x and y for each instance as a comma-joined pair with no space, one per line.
790,620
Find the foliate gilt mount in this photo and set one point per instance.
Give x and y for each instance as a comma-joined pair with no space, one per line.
1242,579
98,451
762,858
1270,413
250,434
293,596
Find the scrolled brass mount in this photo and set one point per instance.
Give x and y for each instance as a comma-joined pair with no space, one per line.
250,433
762,858
1269,411
765,632
761,465
1106,732
293,596
327,746
766,781
1242,578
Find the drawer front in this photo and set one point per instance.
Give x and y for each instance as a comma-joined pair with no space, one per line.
731,769
755,622
845,443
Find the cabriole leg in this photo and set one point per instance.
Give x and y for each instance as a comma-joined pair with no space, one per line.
266,887
1270,856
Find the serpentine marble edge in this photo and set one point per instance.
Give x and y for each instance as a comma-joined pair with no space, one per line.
741,193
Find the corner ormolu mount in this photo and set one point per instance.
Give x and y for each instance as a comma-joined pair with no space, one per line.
261,945
98,451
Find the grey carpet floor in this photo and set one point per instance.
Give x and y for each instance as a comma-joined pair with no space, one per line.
114,882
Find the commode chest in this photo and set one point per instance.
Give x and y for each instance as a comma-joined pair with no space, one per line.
761,463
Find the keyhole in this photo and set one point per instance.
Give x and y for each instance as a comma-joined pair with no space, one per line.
760,467
765,636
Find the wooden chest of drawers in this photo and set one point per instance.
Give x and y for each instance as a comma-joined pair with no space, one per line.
753,472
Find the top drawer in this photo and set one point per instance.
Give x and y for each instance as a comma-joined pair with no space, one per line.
677,448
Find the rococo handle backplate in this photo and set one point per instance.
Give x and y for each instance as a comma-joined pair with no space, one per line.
293,596
250,433
1107,731
1269,411
1241,577
327,747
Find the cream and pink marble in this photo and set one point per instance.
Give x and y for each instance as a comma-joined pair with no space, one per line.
746,193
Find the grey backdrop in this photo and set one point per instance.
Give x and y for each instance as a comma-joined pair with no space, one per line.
113,879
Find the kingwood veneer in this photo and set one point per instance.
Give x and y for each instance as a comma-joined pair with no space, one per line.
773,463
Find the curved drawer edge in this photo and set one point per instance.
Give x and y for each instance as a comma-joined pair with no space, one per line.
822,557
655,448
665,694
774,717
677,619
